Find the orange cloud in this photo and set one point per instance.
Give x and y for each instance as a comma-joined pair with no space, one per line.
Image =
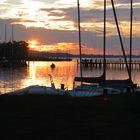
73,48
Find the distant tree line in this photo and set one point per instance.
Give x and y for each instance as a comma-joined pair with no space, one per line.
14,50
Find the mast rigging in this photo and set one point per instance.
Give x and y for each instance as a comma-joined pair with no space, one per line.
119,33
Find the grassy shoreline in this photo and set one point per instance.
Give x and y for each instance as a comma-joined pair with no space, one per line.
56,117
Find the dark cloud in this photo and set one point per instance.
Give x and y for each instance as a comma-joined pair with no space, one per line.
93,14
125,1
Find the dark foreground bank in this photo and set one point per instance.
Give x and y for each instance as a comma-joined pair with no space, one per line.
44,117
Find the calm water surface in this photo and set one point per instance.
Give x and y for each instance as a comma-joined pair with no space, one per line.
37,73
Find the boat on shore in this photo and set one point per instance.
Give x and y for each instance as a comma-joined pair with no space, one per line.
91,90
124,85
36,89
79,91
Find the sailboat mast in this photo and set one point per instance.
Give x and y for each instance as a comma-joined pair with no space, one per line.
12,51
131,32
5,33
80,46
104,44
123,50
12,32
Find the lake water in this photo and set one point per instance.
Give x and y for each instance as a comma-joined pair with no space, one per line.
37,73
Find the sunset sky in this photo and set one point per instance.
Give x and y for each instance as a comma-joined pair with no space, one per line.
51,25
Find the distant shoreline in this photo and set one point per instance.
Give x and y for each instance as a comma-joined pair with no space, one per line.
49,59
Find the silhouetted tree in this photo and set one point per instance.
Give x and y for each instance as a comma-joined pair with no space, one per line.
14,50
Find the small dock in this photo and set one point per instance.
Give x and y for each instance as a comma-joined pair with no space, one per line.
110,64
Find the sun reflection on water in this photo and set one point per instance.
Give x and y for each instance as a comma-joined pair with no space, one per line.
37,73
62,73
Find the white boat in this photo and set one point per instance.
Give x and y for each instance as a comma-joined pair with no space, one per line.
91,90
113,90
37,89
40,90
86,91
45,90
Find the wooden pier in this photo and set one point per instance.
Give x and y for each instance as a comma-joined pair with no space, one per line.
110,64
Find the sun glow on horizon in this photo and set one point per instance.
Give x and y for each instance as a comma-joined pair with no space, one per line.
33,44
